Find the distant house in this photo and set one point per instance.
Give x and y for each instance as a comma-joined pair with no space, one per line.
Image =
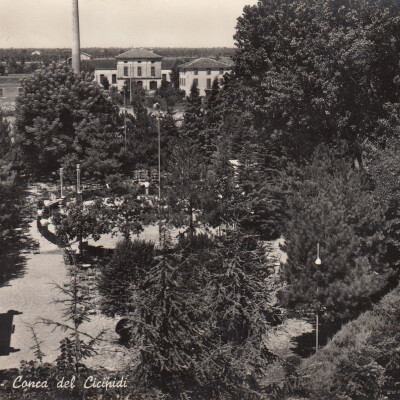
36,53
202,73
84,57
139,67
104,68
11,87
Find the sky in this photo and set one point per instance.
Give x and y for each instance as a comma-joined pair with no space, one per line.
120,23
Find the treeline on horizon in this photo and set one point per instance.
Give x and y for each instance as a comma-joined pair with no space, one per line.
19,61
55,54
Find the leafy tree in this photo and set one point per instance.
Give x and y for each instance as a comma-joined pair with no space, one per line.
383,168
168,95
318,72
330,203
185,185
97,148
128,214
55,106
5,137
80,221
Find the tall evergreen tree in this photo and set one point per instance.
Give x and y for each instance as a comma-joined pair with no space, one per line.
193,119
127,267
329,203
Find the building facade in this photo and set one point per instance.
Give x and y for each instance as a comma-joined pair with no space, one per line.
202,73
140,68
106,68
11,87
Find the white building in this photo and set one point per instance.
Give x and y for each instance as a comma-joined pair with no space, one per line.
202,72
106,68
139,67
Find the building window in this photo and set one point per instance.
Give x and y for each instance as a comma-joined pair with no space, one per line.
1,92
208,71
153,85
196,71
164,77
139,84
221,71
152,61
139,62
184,71
125,71
208,83
153,71
125,62
139,71
196,82
114,78
101,78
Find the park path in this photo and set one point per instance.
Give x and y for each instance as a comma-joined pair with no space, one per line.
33,295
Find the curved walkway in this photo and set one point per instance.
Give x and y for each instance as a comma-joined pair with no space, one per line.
33,295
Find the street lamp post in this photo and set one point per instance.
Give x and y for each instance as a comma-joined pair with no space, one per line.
78,178
317,262
62,182
125,116
159,157
157,107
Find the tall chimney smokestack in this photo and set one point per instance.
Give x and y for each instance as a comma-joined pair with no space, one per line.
76,46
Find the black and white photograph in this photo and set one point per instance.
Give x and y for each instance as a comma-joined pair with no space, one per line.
200,199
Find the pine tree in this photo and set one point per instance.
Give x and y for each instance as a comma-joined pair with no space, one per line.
77,345
164,328
212,118
193,119
329,203
106,83
128,266
241,308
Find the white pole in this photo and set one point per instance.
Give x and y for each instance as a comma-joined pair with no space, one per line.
76,46
78,178
316,335
61,182
159,157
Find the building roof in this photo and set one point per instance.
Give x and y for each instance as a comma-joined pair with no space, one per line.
139,53
200,63
101,63
227,60
169,62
